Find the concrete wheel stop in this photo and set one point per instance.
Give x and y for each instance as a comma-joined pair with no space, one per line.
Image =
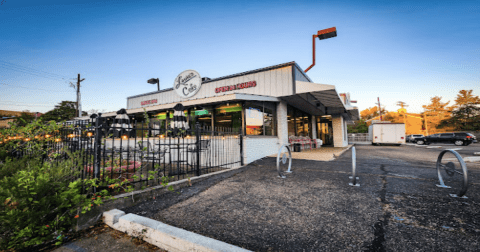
162,235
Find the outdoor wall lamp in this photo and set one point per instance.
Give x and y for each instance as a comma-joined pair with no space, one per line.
89,134
322,34
155,81
124,137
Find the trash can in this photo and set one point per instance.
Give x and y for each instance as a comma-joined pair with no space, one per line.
297,147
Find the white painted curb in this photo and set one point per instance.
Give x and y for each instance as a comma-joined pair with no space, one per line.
164,236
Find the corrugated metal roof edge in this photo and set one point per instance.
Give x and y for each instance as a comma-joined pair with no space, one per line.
291,63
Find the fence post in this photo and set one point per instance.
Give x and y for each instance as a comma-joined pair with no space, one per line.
97,146
241,146
197,148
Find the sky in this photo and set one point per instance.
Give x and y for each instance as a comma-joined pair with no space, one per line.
405,51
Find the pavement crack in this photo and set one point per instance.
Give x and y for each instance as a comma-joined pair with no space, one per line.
379,228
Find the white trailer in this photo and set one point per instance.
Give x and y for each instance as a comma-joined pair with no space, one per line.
387,133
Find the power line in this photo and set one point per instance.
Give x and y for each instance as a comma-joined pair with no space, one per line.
34,74
28,105
25,102
31,69
36,88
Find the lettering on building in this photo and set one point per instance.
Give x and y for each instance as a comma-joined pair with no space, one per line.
235,87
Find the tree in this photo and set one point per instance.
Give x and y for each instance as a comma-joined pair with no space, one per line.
435,113
370,113
359,126
62,112
24,119
466,112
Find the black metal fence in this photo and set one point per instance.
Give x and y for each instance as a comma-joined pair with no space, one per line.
140,153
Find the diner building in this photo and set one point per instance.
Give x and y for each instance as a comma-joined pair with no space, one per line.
268,105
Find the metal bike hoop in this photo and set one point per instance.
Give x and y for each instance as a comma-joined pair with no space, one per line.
354,168
464,189
279,170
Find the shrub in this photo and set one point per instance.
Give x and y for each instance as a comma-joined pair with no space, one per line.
39,202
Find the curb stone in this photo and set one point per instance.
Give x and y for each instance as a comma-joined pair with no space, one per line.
164,236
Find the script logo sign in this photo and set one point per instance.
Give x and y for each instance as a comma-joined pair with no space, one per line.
187,83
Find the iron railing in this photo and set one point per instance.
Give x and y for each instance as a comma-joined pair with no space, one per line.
139,153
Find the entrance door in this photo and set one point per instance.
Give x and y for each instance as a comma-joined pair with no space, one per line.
325,130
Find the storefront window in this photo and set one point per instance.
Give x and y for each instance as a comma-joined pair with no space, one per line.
269,118
300,123
291,121
260,118
201,115
229,116
325,130
254,118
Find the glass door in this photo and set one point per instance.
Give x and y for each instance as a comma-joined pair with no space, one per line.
325,130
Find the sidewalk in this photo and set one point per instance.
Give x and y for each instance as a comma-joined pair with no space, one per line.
320,154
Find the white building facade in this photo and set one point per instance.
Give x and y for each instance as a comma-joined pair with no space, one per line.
267,105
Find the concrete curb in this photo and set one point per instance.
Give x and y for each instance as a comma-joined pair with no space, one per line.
348,148
162,235
135,197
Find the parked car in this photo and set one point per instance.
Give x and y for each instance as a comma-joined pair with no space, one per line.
412,138
455,138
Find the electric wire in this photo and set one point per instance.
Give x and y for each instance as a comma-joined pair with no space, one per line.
34,74
32,69
36,88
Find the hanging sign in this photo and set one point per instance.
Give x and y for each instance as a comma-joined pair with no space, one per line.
187,83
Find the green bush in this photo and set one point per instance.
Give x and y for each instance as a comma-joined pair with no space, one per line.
39,202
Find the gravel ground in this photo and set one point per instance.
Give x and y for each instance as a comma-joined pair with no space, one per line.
396,208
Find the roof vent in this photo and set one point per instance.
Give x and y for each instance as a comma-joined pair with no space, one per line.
205,79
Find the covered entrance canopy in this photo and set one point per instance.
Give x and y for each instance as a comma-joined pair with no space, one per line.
320,99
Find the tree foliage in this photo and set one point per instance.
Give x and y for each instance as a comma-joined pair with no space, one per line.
466,112
24,119
64,111
359,126
435,113
371,112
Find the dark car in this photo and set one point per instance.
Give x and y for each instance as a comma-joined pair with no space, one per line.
413,138
455,138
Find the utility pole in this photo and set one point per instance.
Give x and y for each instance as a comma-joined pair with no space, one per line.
379,109
426,124
79,105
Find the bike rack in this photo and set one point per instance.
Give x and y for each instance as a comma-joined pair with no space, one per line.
284,160
354,177
450,171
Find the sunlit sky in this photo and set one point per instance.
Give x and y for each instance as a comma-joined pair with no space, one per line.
396,50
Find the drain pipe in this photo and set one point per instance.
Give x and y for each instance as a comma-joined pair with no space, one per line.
322,34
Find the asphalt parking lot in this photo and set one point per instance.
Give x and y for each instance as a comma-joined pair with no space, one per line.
396,208
465,151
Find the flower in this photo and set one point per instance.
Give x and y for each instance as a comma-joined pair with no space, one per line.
76,216
47,225
99,196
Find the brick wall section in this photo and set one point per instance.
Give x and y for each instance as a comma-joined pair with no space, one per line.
338,125
259,147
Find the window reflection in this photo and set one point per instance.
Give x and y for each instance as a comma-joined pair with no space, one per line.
229,116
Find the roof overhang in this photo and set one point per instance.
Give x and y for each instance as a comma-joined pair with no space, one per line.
327,95
204,101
